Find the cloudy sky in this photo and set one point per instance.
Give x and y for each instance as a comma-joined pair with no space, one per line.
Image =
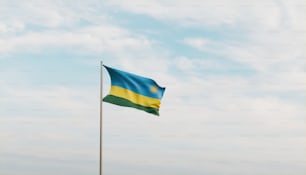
234,72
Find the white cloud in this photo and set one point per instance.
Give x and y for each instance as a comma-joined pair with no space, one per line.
188,12
45,124
95,38
198,43
50,14
211,13
275,54
3,28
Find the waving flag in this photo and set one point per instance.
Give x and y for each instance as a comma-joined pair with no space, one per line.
134,91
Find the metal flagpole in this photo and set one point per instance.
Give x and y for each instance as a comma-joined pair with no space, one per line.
101,96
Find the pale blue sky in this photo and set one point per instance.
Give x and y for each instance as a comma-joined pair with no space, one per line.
234,72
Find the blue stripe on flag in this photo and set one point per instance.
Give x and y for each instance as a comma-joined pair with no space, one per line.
138,84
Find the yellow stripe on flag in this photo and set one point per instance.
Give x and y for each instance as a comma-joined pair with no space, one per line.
134,97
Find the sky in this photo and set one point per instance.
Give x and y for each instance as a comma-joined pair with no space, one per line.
234,72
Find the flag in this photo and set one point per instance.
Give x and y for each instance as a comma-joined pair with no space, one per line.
134,91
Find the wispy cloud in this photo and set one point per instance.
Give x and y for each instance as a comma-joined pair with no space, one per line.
96,38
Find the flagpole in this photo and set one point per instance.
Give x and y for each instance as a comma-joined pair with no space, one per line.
101,96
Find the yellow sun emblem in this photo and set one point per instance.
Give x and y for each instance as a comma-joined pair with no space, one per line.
153,89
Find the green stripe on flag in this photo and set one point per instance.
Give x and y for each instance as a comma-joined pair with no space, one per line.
124,102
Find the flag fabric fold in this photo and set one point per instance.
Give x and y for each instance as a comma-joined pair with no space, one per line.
134,91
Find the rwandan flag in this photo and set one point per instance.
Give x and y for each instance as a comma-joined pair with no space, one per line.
134,91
